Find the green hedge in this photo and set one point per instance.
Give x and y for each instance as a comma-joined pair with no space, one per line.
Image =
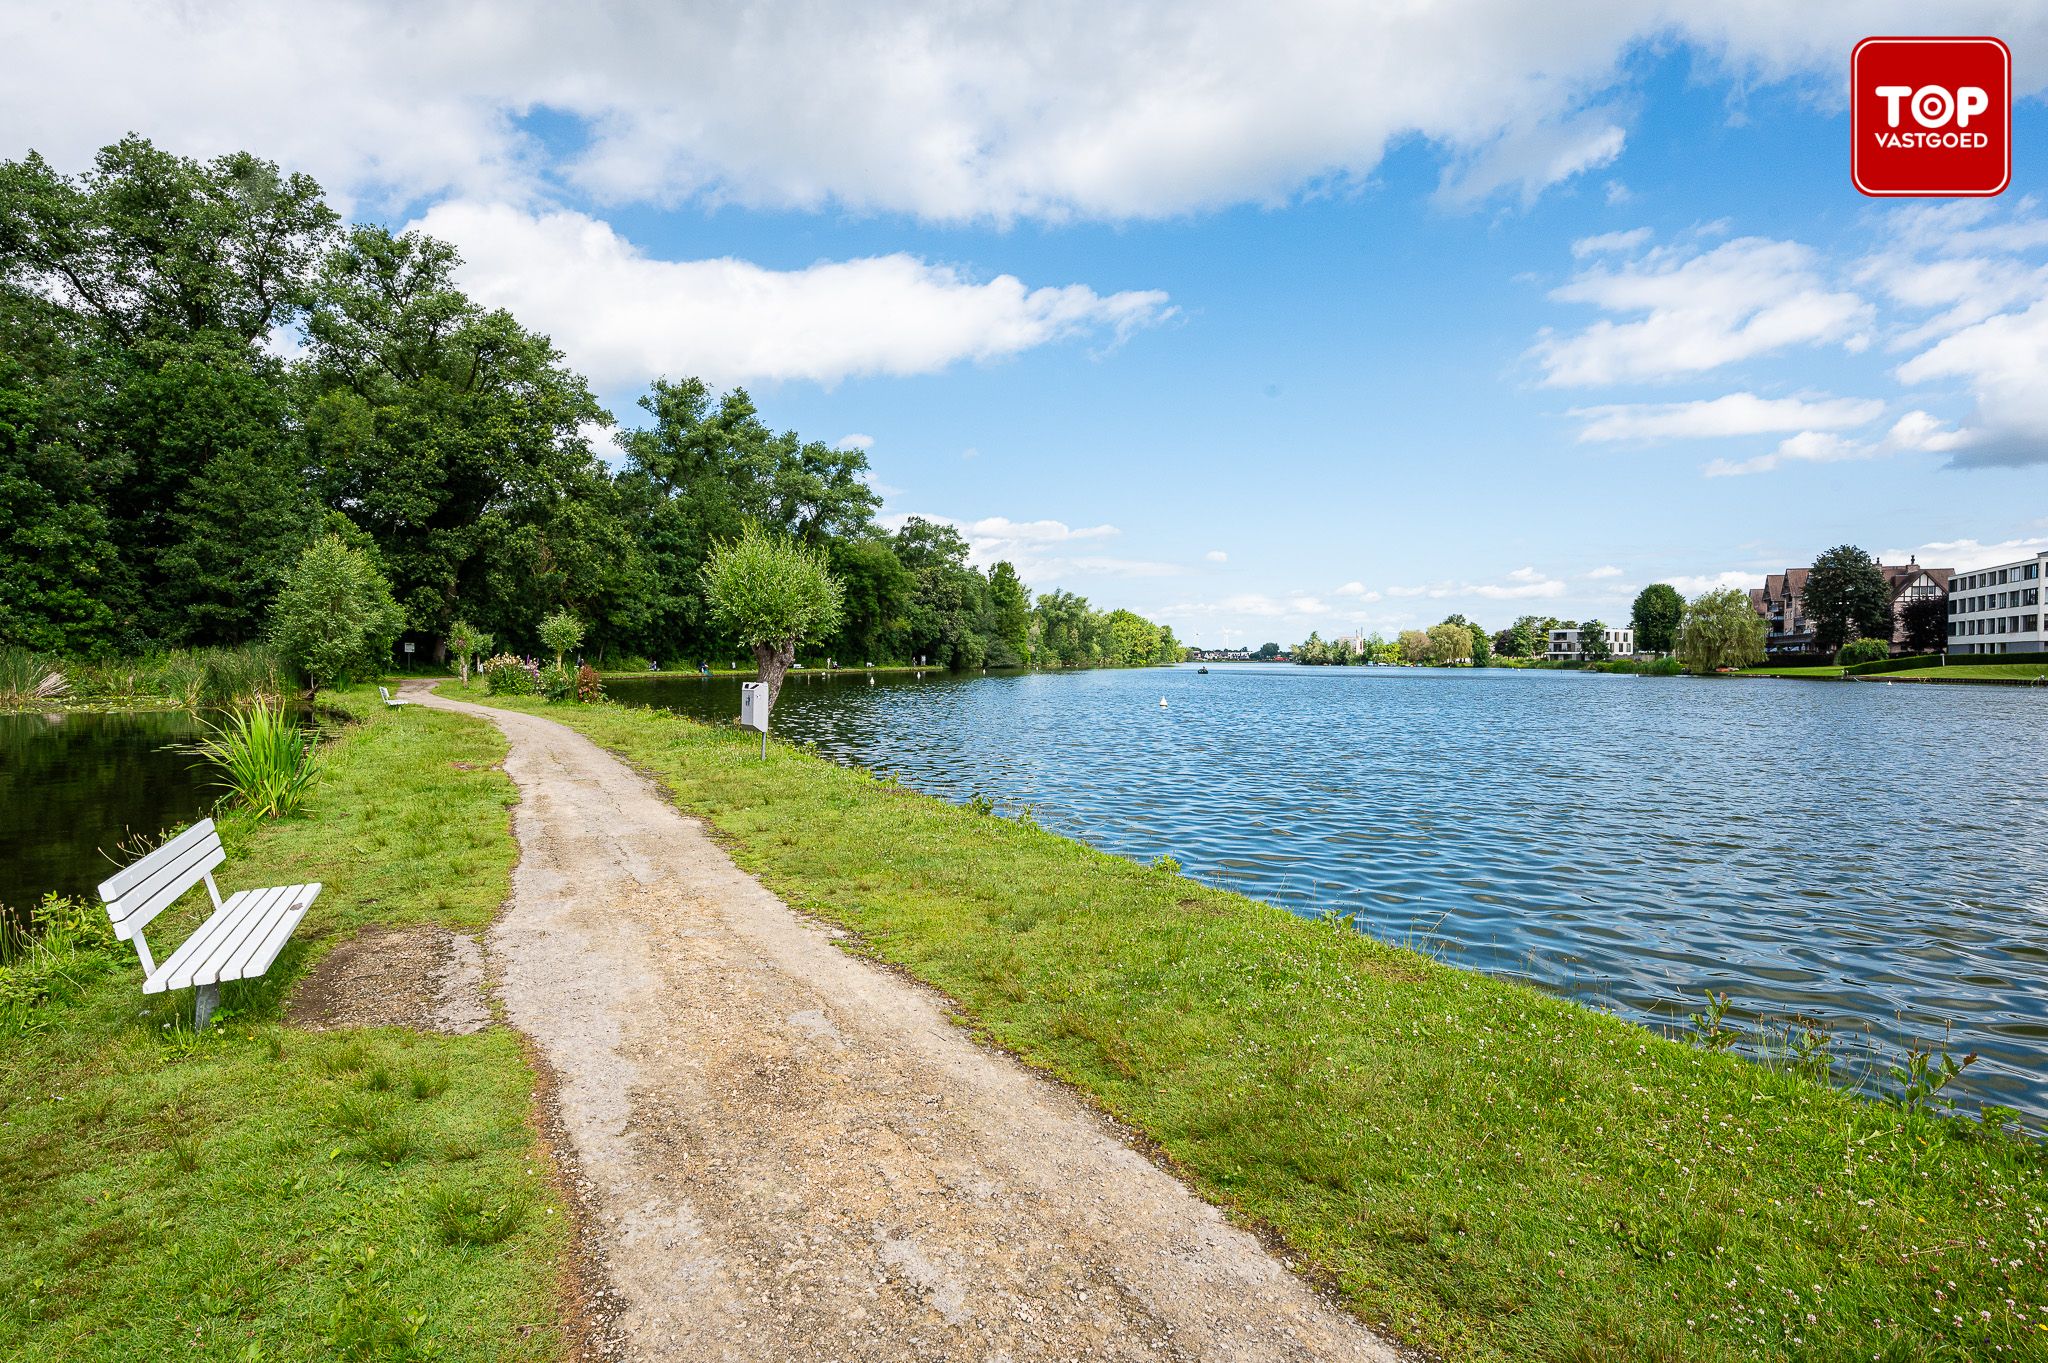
1934,660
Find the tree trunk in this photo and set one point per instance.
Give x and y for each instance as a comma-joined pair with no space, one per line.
773,660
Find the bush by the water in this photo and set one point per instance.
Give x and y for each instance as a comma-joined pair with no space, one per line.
65,943
262,759
557,682
1863,651
507,674
589,686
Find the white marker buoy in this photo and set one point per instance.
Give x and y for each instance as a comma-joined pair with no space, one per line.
1162,702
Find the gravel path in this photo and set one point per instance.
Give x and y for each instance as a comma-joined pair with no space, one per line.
788,1153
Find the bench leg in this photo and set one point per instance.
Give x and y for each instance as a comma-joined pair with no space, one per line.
204,1001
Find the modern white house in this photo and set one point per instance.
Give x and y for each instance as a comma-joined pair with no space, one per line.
1998,610
1565,645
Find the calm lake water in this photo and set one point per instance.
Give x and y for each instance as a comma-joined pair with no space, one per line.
1871,856
73,786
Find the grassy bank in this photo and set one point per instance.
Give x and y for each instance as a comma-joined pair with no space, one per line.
262,1192
1484,1169
2025,673
1827,672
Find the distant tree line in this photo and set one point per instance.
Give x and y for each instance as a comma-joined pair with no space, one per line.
204,373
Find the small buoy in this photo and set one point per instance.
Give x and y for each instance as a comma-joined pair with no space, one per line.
871,679
1162,702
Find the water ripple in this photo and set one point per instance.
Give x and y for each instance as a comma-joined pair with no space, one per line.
1874,857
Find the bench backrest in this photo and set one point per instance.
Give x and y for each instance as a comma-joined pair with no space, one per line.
384,693
139,892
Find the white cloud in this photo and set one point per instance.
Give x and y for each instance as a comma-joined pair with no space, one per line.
854,442
1217,556
1610,241
1529,159
1352,589
1734,414
1044,552
942,111
2003,360
1968,554
1695,311
603,441
1003,530
1605,571
1741,579
1523,584
623,317
1914,431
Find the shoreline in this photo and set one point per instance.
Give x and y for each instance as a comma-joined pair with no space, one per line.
1486,1168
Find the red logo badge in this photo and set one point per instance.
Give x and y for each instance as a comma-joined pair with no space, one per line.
1931,117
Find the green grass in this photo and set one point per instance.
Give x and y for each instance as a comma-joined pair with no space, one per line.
261,1192
2023,672
1486,1170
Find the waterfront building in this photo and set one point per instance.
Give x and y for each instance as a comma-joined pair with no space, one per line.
1998,610
1566,646
1781,601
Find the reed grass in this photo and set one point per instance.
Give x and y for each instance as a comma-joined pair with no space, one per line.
263,760
28,678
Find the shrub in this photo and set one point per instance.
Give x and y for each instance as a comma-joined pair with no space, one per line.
262,758
67,943
465,642
557,683
335,618
561,632
1863,651
589,686
510,675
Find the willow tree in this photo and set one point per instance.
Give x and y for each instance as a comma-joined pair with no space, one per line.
1720,630
773,595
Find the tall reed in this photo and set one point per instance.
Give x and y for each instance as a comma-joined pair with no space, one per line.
27,678
263,759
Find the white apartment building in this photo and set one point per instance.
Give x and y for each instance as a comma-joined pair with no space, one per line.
1565,645
1998,610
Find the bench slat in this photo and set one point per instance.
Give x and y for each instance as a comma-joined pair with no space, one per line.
165,886
128,877
262,948
240,915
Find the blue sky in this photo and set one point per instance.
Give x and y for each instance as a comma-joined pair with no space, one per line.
1311,321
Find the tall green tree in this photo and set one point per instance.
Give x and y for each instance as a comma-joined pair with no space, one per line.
877,589
1925,622
446,431
335,618
57,549
1009,603
1846,598
704,466
137,296
1593,645
1450,643
1720,630
1658,609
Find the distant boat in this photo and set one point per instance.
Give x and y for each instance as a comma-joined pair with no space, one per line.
1201,671
1162,702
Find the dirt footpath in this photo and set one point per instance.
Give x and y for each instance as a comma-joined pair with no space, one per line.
789,1153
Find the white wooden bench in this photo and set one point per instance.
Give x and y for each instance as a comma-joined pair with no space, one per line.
238,942
389,701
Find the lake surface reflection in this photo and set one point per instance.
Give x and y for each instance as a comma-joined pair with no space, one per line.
75,785
1871,856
